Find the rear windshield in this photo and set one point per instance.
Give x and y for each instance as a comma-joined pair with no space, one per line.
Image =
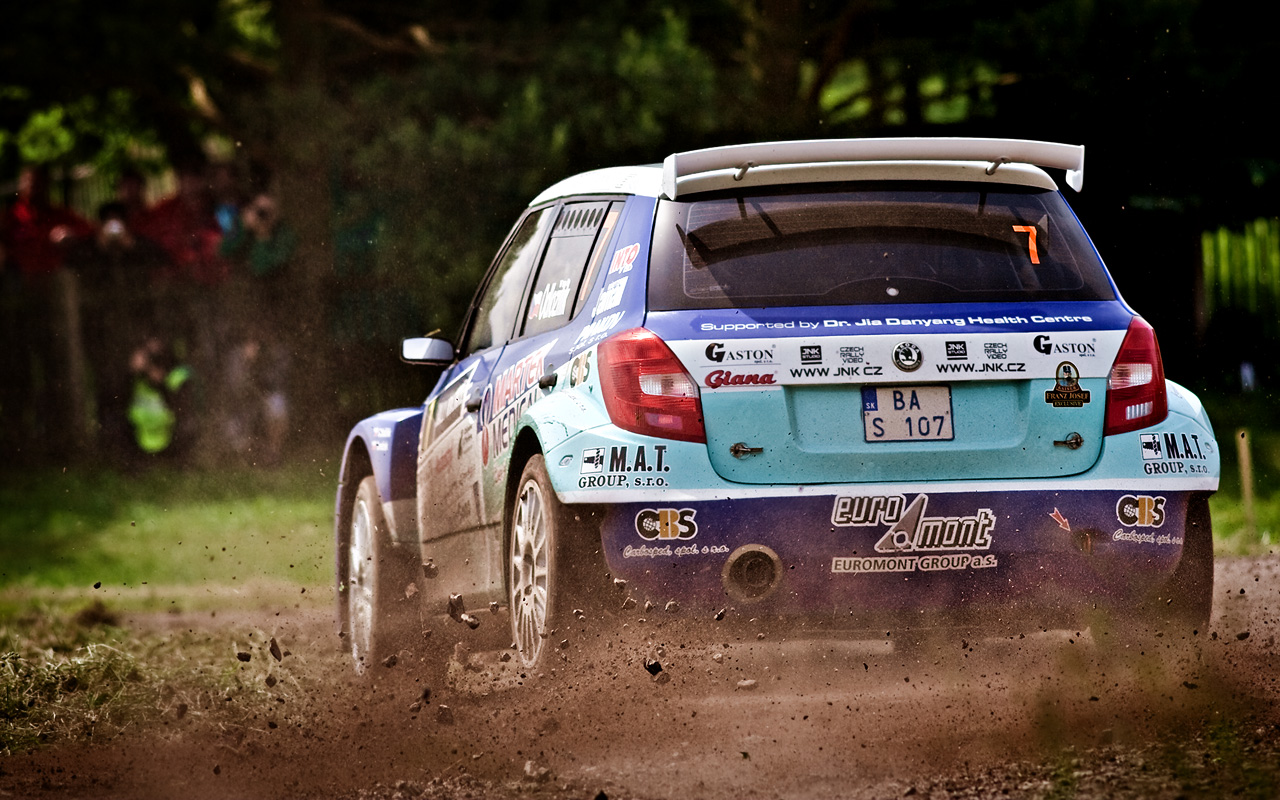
900,242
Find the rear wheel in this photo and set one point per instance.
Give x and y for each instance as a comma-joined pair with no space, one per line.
548,554
1189,594
1174,619
380,615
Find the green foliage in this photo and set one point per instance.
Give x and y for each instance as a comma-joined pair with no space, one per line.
1242,270
140,536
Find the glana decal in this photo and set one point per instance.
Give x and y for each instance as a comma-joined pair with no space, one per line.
1140,511
666,523
723,377
1067,392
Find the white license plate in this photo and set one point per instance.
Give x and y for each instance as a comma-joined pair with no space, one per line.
907,413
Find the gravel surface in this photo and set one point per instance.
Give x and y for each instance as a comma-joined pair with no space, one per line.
643,713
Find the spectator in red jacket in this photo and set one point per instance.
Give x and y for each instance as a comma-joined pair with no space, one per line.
35,231
185,227
38,365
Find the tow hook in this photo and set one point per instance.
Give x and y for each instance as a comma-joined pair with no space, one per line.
741,450
1073,441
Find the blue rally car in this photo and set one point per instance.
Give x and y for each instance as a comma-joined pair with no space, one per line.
825,384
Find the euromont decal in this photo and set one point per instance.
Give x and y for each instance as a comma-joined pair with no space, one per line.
954,561
910,530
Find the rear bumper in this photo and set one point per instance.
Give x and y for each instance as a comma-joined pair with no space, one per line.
1046,548
850,558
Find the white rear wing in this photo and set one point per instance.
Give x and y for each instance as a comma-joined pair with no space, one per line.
741,158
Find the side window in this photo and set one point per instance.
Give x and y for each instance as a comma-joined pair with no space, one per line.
597,255
560,276
495,314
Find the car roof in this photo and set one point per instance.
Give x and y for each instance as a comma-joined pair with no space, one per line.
1000,161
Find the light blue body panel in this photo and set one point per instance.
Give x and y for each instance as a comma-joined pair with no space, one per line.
821,431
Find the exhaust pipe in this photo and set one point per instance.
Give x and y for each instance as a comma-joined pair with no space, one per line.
752,572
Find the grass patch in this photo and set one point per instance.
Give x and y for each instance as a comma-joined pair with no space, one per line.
67,677
161,528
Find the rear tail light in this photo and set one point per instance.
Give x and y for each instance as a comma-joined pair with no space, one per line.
646,388
1136,394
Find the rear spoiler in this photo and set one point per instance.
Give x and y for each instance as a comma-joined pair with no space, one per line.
743,157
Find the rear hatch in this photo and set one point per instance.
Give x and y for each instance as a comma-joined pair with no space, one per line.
900,332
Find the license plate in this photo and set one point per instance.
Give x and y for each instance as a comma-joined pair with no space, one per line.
907,413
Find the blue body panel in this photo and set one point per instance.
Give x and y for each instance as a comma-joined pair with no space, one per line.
1015,553
391,441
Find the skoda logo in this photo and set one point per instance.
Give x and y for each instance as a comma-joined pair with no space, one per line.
907,357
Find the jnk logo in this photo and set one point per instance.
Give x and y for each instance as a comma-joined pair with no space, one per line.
1140,511
666,523
910,530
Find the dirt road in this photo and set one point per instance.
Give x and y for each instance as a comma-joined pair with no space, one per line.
1036,715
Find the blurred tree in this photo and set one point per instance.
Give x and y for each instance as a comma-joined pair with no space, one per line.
406,136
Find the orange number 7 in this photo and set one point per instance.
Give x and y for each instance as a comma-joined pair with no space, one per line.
1030,231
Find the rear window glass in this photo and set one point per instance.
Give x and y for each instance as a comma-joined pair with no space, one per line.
901,242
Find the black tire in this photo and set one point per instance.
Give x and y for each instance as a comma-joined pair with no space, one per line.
1188,596
380,614
550,549
1174,618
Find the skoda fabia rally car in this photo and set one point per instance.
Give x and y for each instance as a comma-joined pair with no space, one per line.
832,385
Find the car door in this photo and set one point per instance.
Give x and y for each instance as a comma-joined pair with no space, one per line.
451,461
